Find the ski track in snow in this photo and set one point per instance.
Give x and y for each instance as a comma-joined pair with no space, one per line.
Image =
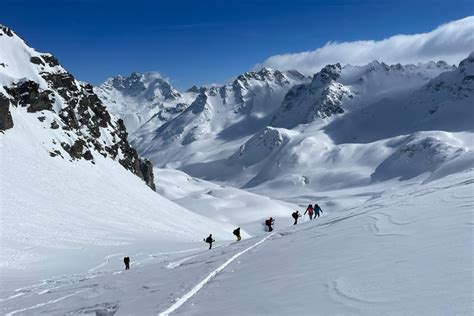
106,261
348,296
160,254
201,284
43,304
176,264
49,285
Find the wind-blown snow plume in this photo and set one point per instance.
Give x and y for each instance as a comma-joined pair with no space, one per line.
450,42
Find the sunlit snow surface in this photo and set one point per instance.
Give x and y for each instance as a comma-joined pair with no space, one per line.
405,251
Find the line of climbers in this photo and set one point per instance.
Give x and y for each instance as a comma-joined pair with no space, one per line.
316,211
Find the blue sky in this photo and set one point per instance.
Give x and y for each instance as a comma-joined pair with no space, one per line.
201,42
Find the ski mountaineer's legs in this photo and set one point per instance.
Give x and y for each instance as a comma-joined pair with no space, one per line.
210,245
310,216
238,238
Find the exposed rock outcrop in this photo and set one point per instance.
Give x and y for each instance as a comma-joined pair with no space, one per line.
60,101
6,121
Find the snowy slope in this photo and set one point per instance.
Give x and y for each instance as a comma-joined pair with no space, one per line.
218,202
70,181
406,251
53,203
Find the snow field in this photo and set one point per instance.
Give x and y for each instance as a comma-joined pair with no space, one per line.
405,243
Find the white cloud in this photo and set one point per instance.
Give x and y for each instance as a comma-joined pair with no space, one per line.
450,42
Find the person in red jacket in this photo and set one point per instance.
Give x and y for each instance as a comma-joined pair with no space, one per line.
310,211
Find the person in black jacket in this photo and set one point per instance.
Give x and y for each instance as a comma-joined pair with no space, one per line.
296,215
209,240
269,222
126,260
237,233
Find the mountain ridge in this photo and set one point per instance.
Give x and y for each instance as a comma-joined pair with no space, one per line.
80,124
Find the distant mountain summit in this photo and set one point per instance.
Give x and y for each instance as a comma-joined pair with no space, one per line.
139,97
336,89
149,86
75,123
239,108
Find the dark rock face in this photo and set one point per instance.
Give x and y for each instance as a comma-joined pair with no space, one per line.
147,172
54,125
28,94
329,104
5,30
50,60
75,151
88,127
36,60
6,121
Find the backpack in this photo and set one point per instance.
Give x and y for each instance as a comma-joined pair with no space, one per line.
295,215
237,231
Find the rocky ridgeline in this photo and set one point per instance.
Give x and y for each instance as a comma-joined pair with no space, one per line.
73,108
149,86
321,98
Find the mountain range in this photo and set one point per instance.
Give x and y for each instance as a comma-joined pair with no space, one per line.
344,126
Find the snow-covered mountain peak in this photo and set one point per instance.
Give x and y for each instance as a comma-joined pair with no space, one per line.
149,85
375,65
328,74
432,68
466,65
267,74
456,85
5,30
18,60
139,97
260,146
